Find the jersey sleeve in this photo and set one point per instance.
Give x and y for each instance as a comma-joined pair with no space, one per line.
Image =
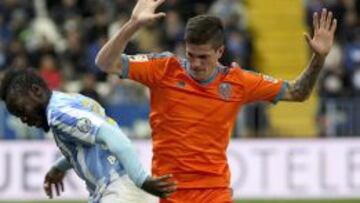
260,87
76,125
147,69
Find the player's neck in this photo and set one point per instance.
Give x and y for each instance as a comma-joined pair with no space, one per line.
210,78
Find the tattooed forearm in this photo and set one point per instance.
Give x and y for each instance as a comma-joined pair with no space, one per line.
301,88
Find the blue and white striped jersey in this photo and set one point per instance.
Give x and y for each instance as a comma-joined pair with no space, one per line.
75,120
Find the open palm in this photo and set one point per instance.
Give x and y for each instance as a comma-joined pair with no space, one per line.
144,11
324,30
54,177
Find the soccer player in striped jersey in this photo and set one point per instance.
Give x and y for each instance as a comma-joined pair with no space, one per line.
194,100
92,143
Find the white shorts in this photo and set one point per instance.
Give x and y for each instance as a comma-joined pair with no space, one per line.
124,190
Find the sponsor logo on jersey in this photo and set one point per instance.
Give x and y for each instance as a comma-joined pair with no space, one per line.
270,79
139,58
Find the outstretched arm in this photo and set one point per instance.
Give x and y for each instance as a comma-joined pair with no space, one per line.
321,43
119,144
108,58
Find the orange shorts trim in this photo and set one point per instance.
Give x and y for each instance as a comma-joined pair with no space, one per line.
205,195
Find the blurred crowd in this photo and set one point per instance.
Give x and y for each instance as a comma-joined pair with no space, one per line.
61,39
339,84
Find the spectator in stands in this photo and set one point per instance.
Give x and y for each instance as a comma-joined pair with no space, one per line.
49,71
89,87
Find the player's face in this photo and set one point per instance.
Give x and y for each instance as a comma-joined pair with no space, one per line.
203,60
29,109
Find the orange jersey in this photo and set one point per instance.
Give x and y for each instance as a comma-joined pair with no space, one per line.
191,122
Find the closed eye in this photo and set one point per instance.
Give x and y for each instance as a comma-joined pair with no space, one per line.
204,56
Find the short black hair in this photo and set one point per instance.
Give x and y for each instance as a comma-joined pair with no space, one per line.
20,81
203,29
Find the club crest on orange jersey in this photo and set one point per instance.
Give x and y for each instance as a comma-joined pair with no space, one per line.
225,90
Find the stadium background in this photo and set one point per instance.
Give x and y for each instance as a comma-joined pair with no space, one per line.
61,38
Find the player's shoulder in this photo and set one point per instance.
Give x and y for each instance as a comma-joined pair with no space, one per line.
165,54
174,64
237,72
172,60
238,75
62,99
143,57
60,103
231,72
166,58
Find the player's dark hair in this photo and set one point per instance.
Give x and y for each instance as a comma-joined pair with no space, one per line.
20,82
204,29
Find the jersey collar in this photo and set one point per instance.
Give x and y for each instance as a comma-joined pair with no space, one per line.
186,64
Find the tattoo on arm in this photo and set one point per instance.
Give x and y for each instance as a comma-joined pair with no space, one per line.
301,88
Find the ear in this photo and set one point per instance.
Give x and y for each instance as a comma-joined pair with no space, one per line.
36,91
220,51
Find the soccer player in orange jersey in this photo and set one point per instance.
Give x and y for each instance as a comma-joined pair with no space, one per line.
195,100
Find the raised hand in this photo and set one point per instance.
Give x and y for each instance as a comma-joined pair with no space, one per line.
54,177
324,30
159,186
144,11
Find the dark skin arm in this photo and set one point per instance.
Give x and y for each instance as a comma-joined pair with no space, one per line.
159,186
54,177
321,43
